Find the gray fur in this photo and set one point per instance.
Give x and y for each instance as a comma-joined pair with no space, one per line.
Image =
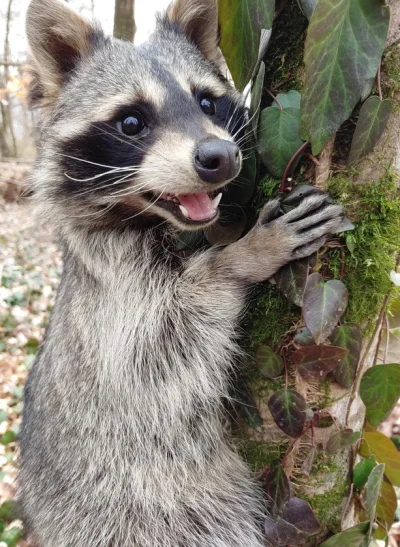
125,440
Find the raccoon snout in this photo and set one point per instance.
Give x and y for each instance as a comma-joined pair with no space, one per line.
217,160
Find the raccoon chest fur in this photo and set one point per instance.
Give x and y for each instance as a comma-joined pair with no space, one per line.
127,427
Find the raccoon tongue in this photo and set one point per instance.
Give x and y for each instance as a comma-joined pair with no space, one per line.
198,206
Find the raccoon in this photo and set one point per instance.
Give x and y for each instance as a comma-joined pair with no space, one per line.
124,440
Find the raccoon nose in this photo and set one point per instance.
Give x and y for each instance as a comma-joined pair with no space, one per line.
217,160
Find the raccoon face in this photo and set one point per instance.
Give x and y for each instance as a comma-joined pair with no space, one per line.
134,132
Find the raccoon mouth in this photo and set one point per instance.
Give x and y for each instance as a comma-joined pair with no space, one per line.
191,208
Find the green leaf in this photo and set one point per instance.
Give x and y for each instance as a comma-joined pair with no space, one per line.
315,362
11,536
277,488
9,510
341,439
278,138
307,7
374,485
375,443
240,191
351,537
229,227
299,513
269,363
291,280
323,305
287,408
303,337
8,437
344,46
380,391
256,92
291,99
246,406
241,23
188,241
3,416
387,504
347,336
362,471
374,115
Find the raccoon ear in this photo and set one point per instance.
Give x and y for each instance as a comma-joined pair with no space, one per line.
58,38
199,21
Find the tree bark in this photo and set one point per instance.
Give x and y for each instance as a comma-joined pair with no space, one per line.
6,110
124,20
323,480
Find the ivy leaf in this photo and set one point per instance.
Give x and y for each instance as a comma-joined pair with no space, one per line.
228,229
287,408
241,24
291,99
299,513
374,484
387,504
341,439
352,537
241,190
315,362
11,536
323,305
347,336
278,138
303,337
380,391
277,488
188,241
280,533
307,7
362,471
256,92
344,46
375,443
374,115
269,363
291,280
246,406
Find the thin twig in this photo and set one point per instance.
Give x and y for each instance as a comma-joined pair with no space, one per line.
275,99
387,339
378,81
290,164
371,344
313,159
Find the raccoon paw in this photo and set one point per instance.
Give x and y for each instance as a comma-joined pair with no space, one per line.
306,227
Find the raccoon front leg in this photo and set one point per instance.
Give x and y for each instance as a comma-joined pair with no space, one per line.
277,239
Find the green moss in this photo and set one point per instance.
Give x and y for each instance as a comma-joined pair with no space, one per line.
284,58
328,507
259,454
391,70
270,316
375,209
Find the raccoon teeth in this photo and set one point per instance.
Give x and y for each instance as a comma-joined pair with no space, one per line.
216,200
184,211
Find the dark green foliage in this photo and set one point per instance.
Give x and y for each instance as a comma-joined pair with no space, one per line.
380,391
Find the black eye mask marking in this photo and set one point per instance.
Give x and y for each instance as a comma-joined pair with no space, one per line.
95,155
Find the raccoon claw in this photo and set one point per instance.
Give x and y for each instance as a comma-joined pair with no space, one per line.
271,211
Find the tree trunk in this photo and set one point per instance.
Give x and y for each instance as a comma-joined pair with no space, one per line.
124,20
323,480
6,110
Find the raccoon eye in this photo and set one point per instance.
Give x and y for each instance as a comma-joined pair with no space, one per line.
208,106
132,125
